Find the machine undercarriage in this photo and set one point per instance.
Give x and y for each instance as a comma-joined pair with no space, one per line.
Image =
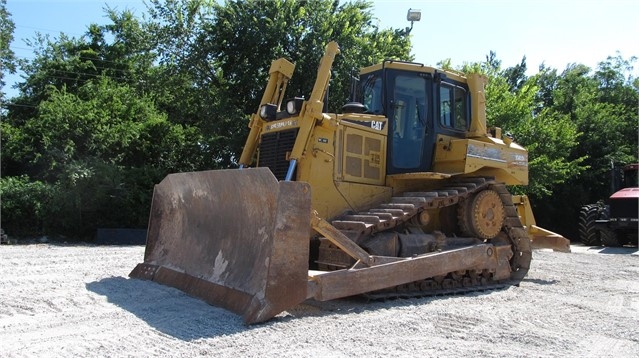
470,212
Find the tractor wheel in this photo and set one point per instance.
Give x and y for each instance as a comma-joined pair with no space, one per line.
588,233
609,238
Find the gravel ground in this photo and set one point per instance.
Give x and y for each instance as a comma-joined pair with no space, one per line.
77,300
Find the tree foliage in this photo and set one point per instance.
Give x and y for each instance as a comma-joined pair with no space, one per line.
101,118
226,51
574,124
7,57
24,203
603,106
512,104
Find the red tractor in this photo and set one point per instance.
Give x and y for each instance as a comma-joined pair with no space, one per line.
617,222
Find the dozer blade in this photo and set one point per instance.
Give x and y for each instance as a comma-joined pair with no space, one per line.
238,239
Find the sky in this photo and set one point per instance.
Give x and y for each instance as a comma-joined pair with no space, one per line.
553,32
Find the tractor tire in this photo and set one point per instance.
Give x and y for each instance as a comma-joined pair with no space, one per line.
588,233
609,238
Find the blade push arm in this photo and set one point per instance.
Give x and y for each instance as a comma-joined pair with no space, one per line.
312,109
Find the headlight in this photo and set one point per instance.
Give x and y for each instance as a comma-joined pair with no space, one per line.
268,112
294,106
290,107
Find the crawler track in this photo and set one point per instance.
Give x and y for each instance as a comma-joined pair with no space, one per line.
401,210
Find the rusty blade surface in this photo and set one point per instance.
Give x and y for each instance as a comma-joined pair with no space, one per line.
236,238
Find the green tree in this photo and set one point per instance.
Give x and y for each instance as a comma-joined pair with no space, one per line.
247,35
104,116
512,104
546,80
230,47
601,105
103,120
101,149
7,57
516,76
23,205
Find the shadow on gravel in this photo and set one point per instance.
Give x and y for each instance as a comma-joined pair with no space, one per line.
361,304
179,315
539,281
618,250
173,312
168,310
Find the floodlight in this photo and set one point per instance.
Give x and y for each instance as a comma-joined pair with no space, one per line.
414,15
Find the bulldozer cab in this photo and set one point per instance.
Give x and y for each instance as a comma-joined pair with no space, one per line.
419,105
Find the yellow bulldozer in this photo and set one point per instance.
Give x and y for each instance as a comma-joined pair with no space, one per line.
402,194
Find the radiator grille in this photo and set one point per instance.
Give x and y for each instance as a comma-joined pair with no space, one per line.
273,151
362,159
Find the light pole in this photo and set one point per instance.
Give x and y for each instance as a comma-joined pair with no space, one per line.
412,16
636,85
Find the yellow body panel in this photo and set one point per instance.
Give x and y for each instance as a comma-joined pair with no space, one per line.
345,165
485,157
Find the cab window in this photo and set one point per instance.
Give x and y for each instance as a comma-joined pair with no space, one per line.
372,94
453,104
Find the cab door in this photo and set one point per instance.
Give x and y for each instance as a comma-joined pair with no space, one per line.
410,135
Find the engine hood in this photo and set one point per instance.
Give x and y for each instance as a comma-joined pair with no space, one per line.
626,193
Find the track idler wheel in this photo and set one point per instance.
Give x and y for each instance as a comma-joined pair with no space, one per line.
482,215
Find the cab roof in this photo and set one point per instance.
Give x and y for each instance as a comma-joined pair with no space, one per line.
413,67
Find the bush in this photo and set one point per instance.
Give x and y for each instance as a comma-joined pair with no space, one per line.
87,196
23,205
95,194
